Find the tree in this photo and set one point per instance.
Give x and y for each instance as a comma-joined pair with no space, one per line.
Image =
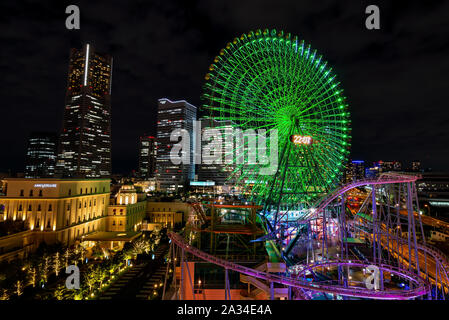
56,263
90,278
59,292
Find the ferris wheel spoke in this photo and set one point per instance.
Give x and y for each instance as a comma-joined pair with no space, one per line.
269,82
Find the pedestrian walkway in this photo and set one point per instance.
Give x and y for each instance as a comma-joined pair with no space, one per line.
141,280
154,281
118,285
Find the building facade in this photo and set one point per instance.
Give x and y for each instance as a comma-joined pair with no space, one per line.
355,170
416,166
126,212
168,214
173,115
216,171
147,156
85,140
41,155
52,211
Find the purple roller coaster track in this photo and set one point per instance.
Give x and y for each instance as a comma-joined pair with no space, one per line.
388,229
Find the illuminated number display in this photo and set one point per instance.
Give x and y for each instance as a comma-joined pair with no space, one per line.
297,139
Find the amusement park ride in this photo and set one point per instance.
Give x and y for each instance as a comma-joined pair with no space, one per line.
296,237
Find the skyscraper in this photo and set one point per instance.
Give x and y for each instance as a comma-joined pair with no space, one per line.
41,155
85,141
355,171
220,173
173,115
147,156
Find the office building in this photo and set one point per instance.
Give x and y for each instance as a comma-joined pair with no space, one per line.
147,156
85,140
174,115
219,172
386,166
416,166
355,170
41,155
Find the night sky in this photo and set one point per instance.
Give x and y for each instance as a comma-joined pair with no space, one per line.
395,79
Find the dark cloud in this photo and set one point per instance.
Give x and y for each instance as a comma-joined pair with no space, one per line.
395,78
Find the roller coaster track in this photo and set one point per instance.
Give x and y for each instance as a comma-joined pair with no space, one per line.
357,292
387,178
420,288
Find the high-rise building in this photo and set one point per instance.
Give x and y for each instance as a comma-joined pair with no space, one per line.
356,171
416,165
173,115
218,173
147,156
85,141
386,166
41,155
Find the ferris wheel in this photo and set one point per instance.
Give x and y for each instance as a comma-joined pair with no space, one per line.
269,80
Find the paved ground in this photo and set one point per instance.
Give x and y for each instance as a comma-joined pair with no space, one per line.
139,282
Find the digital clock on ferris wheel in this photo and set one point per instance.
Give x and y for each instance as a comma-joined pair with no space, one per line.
298,139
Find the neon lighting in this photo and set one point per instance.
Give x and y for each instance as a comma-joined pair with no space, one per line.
274,84
202,183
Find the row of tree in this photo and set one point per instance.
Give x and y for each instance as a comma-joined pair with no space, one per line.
29,277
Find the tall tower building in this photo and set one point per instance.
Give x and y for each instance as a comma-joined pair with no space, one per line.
173,115
85,141
219,174
41,155
147,156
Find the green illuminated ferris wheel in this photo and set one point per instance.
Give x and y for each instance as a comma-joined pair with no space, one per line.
271,80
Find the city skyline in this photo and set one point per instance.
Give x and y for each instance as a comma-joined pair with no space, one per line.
236,151
394,116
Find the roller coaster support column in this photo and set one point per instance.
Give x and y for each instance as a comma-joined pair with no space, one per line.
227,286
213,217
412,221
324,237
374,206
182,275
192,284
166,272
174,271
341,233
271,290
